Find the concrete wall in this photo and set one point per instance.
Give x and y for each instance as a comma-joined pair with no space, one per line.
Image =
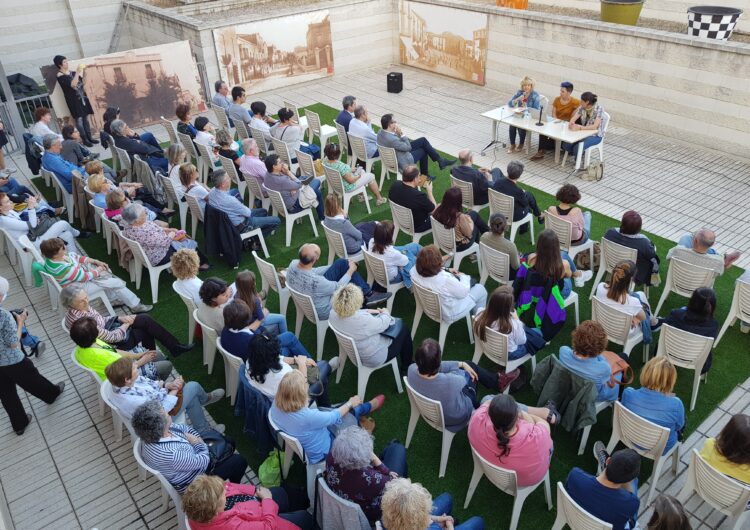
32,32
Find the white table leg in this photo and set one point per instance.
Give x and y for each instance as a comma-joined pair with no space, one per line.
558,143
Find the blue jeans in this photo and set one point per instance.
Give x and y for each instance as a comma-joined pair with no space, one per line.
260,219
150,139
159,164
14,188
443,505
311,149
410,251
276,319
193,398
587,142
340,267
291,346
521,135
568,282
394,458
300,517
315,185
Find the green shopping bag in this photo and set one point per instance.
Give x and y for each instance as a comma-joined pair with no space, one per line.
269,471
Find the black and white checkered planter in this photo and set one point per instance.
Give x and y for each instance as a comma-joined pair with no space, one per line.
712,22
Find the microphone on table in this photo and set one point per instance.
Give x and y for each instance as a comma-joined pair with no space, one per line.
539,123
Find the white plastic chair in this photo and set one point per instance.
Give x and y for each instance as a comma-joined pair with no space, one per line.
271,282
646,438
495,347
359,152
142,261
599,406
96,379
723,493
278,204
322,131
191,307
494,264
432,413
686,350
740,307
564,229
67,198
282,149
258,136
99,211
336,184
403,220
171,190
306,309
196,213
506,481
618,326
445,239
123,159
210,336
611,254
307,165
26,258
388,164
232,367
189,146
348,350
47,175
242,132
171,131
229,166
428,302
467,194
504,204
347,510
683,278
570,513
118,420
167,490
254,186
343,139
222,118
337,247
377,271
598,147
301,120
207,161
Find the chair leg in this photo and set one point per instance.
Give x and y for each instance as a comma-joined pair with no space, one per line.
288,455
191,328
322,328
389,302
195,226
584,439
597,279
154,274
471,330
517,507
415,324
663,298
658,465
340,369
283,302
263,244
102,408
513,231
413,419
117,426
729,322
363,375
445,451
476,476
578,320
696,387
367,201
548,491
298,324
443,333
289,226
312,222
397,375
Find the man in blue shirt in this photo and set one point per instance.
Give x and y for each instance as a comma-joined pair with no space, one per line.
54,162
611,496
240,216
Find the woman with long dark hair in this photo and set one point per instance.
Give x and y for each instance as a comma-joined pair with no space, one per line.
399,261
466,227
669,514
75,97
245,287
697,317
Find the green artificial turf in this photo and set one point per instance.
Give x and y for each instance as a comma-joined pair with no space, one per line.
392,420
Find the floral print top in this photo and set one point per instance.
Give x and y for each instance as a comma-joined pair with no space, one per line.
363,486
589,116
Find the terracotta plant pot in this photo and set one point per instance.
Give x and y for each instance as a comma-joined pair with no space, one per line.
513,4
621,11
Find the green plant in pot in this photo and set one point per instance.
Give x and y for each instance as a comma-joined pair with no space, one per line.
621,11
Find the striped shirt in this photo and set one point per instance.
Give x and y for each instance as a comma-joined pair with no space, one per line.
129,398
111,337
73,268
176,458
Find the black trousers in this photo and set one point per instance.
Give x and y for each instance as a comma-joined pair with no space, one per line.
168,256
231,469
402,347
147,331
485,377
25,375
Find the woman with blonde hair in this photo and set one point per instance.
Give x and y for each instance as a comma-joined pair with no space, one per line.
117,200
315,428
355,236
228,148
190,185
527,98
185,264
176,155
379,337
655,401
407,505
99,185
212,504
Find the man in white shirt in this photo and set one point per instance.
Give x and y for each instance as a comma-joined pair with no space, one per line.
261,121
362,127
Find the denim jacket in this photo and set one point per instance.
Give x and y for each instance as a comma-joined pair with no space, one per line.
533,101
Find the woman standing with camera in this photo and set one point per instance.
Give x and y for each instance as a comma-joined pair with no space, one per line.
17,369
75,97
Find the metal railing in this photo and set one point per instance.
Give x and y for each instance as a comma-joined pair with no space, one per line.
27,106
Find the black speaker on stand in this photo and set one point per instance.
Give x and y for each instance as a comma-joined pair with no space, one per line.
395,82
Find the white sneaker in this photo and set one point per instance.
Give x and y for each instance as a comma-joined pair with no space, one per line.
583,278
214,396
334,364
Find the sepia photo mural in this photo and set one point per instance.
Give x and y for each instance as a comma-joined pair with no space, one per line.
443,40
271,53
145,84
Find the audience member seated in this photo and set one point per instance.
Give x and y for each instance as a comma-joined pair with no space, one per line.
215,293
269,362
100,186
53,161
34,226
16,192
41,128
321,282
523,200
242,217
125,332
345,116
567,198
353,179
95,354
236,112
378,336
355,236
251,164
205,136
697,317
526,98
116,201
185,265
130,390
668,514
729,452
280,178
399,261
158,243
452,383
407,505
480,179
210,503
612,495
177,155
221,97
655,401
125,139
419,151
511,436
466,227
228,147
355,473
588,117
68,267
288,131
701,243
260,121
183,121
496,240
585,359
112,114
246,290
177,451
75,96
190,185
452,286
361,126
629,235
315,428
563,107
421,203
74,152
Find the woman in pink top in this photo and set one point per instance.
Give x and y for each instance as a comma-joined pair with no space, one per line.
510,435
567,197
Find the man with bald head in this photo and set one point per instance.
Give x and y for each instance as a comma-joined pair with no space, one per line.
481,179
321,282
700,243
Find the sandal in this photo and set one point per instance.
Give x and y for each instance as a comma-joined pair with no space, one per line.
554,414
511,149
381,201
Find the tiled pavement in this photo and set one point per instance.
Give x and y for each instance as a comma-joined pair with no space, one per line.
66,472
